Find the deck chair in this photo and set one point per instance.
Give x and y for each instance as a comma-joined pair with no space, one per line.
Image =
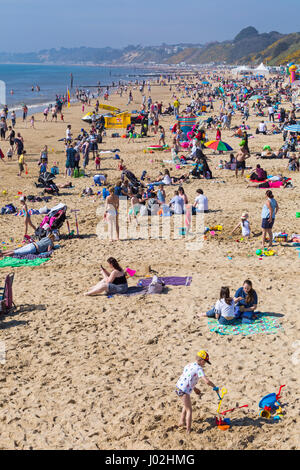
6,295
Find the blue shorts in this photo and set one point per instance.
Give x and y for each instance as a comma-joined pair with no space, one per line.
266,224
117,288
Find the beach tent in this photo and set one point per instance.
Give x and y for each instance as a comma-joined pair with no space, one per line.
240,69
119,121
261,70
186,123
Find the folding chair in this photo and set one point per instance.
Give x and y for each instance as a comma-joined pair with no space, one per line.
6,294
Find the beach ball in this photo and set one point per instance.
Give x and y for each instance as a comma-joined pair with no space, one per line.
258,252
4,192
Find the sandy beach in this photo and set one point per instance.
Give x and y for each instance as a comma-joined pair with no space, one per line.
100,373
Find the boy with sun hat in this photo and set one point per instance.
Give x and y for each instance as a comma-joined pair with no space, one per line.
186,384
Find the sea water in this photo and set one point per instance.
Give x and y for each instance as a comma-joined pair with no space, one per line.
54,80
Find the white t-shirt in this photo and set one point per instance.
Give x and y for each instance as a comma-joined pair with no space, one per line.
226,311
68,134
262,127
189,378
201,202
271,110
245,228
166,179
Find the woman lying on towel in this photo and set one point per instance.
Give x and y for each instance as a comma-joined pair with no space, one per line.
35,248
283,182
112,283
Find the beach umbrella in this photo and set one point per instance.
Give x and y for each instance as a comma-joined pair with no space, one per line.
218,145
293,128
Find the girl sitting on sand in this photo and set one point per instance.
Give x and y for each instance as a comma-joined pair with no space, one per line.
187,383
223,310
112,283
244,224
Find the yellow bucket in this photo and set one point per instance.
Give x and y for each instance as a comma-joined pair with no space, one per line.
265,414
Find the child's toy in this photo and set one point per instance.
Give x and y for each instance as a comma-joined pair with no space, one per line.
298,215
280,237
76,221
131,272
224,423
269,405
223,392
258,252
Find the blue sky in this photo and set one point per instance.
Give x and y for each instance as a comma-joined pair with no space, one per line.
31,25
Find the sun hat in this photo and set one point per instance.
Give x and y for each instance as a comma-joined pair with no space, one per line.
244,215
203,355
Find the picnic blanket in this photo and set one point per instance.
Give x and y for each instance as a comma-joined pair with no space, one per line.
16,262
263,324
169,281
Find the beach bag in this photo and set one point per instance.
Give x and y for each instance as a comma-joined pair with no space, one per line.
156,286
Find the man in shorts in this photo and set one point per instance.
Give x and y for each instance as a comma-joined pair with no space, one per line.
241,163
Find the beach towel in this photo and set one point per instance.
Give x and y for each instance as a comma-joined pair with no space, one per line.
41,255
16,262
169,281
263,324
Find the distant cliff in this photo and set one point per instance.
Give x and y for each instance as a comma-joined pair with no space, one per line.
249,46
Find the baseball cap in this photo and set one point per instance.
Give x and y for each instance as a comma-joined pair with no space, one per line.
203,355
